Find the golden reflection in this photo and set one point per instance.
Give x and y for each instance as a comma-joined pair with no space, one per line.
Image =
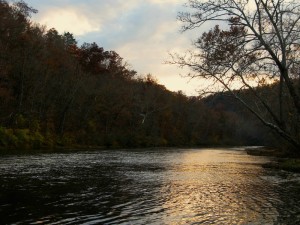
216,187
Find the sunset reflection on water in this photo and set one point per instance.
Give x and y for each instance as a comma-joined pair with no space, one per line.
207,188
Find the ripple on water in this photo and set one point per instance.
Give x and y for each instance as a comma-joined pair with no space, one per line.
146,187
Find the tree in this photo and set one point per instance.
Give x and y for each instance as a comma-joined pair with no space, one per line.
15,39
259,46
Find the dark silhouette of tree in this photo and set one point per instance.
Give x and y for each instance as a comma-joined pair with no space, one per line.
259,46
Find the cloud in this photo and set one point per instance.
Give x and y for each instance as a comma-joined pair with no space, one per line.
79,17
165,2
68,20
140,31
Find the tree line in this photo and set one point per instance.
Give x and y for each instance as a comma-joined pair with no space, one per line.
54,92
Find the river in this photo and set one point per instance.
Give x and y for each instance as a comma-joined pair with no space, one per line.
168,186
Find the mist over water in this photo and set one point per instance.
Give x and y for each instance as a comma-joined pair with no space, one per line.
179,186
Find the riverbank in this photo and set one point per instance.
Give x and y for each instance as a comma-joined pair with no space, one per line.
284,160
287,164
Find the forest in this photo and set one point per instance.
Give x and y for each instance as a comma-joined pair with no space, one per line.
55,93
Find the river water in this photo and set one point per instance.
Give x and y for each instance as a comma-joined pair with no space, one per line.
174,186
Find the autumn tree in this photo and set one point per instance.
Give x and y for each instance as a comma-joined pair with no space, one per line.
54,92
16,46
257,45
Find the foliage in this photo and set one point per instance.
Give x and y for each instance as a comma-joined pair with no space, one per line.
54,93
21,138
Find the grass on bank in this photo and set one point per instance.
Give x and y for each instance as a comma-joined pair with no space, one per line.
292,165
285,161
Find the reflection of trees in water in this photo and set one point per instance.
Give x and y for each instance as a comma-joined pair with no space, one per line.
85,188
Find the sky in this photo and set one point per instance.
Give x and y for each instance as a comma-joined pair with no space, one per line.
142,32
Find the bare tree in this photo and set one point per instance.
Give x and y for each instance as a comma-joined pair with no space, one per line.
260,45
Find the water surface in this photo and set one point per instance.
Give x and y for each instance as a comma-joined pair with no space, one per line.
180,186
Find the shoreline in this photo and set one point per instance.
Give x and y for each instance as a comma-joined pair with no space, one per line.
283,160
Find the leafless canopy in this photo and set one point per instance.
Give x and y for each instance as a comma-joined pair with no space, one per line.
260,45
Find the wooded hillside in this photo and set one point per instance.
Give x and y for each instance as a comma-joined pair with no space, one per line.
56,93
